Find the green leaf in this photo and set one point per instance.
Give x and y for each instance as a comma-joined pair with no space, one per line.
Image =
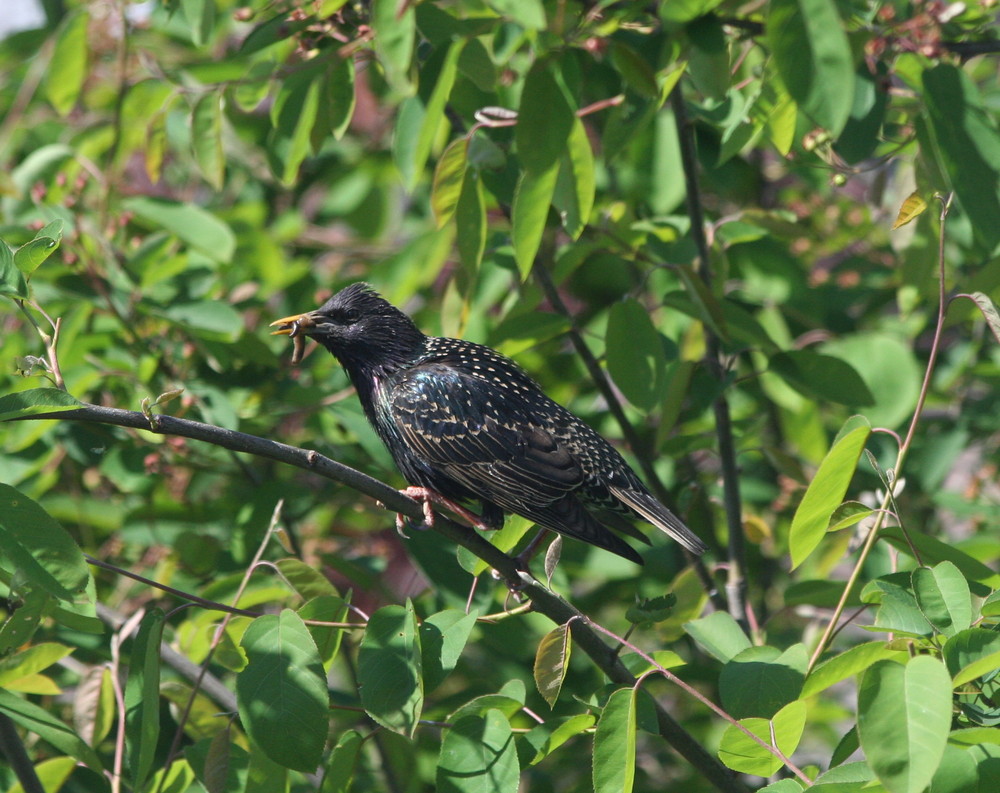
708,62
989,311
294,114
282,692
782,786
635,356
574,193
635,70
35,401
972,653
255,85
821,376
528,14
932,551
306,580
529,214
547,737
897,605
394,39
480,706
12,281
746,756
40,722
443,637
41,550
478,755
340,98
326,608
944,597
30,661
825,493
544,121
760,681
67,70
614,744
449,180
552,662
958,772
263,774
208,318
206,138
191,224
18,628
849,663
470,222
679,12
813,57
200,16
340,766
969,144
390,673
434,111
904,716
142,697
30,255
718,634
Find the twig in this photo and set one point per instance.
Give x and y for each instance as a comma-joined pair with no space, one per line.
659,669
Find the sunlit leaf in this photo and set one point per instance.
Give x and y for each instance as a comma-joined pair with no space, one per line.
904,716
912,208
825,493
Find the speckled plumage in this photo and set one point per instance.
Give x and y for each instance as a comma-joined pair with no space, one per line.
464,421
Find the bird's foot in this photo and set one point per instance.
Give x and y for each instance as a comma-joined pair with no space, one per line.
428,498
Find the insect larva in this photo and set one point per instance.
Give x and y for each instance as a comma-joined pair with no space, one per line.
298,343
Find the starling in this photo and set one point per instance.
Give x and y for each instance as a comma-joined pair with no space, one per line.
464,423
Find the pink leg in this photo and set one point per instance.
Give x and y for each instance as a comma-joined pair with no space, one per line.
430,497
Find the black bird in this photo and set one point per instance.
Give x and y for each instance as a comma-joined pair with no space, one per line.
464,423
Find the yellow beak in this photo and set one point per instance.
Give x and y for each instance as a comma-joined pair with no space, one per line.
290,326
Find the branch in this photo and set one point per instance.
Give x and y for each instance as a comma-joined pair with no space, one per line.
736,584
544,601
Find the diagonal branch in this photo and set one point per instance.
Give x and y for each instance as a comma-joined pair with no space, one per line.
543,600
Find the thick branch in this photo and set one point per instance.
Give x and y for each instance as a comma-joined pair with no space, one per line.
543,600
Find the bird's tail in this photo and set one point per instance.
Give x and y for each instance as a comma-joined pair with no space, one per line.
661,517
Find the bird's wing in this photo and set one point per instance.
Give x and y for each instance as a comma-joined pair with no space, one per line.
495,444
486,440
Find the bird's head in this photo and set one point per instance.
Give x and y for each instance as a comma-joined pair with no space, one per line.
360,327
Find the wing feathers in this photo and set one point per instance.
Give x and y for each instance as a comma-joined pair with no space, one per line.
661,517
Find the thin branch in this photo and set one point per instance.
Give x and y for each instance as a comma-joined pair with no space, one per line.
546,602
736,580
12,750
831,627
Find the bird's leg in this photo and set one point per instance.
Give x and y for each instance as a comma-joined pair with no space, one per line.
428,498
531,549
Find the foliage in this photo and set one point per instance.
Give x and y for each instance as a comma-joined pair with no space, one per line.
699,196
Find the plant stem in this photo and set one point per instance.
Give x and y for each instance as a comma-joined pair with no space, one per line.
904,447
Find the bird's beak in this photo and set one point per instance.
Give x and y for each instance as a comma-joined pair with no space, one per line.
294,325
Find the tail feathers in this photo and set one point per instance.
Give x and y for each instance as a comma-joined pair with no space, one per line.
568,516
661,517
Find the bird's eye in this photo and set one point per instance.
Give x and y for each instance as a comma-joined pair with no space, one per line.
351,315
